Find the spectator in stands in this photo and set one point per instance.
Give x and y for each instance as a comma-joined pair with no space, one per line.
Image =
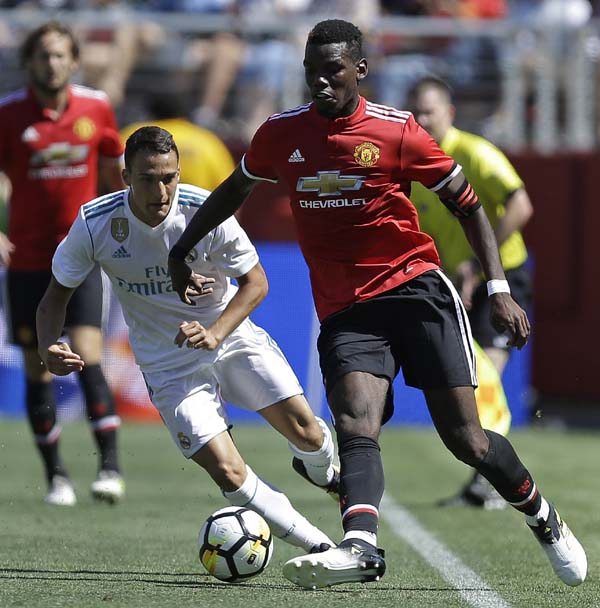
56,140
204,160
110,51
505,200
405,59
219,55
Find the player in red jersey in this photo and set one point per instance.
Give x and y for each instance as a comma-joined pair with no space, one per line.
57,141
382,300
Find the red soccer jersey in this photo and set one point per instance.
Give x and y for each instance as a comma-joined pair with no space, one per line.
52,166
349,184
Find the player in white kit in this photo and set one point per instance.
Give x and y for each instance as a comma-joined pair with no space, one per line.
192,358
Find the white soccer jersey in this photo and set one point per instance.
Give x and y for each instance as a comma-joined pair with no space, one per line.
134,256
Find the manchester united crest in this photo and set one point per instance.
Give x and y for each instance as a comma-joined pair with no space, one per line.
119,228
366,154
84,128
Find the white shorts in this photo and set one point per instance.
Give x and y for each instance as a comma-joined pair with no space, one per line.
249,371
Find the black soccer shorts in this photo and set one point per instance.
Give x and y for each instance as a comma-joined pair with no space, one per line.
25,290
420,327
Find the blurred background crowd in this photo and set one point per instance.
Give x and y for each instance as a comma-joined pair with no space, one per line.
524,71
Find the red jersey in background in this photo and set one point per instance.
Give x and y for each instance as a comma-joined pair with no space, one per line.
349,185
53,167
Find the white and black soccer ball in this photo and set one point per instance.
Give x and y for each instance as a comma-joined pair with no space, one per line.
235,544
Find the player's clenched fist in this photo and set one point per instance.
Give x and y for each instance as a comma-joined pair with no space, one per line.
196,335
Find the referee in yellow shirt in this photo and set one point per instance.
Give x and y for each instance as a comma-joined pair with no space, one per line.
503,196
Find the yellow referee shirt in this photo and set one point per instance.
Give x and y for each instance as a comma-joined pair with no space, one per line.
493,178
204,159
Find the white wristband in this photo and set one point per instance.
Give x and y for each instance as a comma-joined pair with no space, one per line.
497,286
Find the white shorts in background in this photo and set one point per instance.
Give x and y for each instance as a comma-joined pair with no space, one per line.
249,371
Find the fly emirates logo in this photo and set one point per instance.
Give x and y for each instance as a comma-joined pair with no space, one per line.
332,185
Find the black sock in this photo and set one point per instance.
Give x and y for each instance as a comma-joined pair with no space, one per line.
361,483
41,411
503,469
101,414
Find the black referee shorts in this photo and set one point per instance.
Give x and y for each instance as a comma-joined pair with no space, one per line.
26,289
519,280
420,327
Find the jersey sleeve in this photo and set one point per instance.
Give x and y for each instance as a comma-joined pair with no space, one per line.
231,249
496,171
73,258
421,159
111,145
256,163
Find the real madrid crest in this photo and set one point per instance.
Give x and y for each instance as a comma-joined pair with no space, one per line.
366,154
119,228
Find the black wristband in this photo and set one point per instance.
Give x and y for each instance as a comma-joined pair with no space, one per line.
178,252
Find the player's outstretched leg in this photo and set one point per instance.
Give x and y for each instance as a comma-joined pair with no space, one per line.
502,467
285,522
317,467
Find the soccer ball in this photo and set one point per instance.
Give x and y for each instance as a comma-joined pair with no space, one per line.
235,544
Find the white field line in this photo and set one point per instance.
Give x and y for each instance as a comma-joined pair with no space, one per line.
472,588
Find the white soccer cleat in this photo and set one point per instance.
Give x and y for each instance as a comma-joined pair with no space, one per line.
61,492
566,555
351,562
108,487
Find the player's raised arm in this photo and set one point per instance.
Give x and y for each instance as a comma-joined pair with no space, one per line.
220,205
50,321
506,314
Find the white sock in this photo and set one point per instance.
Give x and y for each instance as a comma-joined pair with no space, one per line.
285,522
542,514
368,537
319,464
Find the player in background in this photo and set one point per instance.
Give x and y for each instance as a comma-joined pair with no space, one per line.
57,141
382,300
505,200
192,358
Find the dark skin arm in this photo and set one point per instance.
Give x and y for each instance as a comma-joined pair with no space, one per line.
506,314
221,204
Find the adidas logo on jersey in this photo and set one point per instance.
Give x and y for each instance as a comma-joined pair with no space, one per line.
121,252
296,157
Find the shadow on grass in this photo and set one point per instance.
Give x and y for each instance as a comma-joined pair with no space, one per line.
200,580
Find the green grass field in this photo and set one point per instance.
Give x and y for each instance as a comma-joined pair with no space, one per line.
143,551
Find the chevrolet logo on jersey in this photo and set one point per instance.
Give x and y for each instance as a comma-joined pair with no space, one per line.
328,183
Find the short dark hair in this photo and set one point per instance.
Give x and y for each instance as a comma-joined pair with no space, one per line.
431,82
151,139
32,39
332,31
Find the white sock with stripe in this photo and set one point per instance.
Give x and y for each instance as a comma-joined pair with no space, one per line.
285,522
